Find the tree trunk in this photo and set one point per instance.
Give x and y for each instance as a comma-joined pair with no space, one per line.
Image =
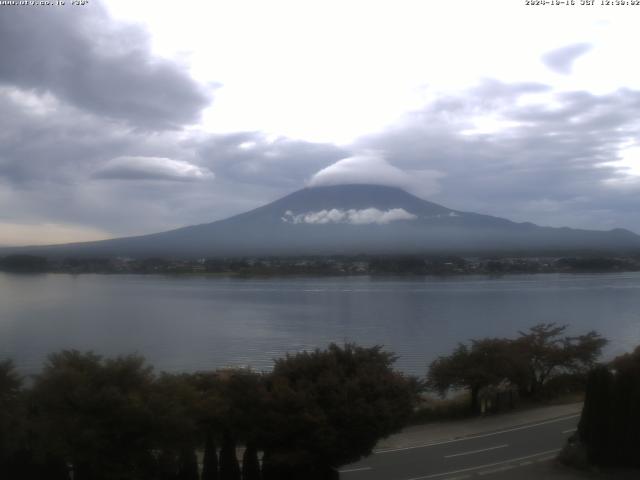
475,400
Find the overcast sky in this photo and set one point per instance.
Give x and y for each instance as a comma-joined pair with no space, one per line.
121,117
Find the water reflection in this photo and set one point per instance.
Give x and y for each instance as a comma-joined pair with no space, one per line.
190,323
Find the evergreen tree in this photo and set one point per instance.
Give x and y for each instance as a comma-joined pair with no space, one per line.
625,412
229,467
188,464
250,463
610,423
210,459
330,407
94,414
11,416
274,468
167,465
595,425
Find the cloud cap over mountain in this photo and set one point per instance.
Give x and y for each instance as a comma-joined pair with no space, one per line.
370,167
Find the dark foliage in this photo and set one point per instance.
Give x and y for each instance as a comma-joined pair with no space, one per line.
229,467
486,362
23,263
114,419
95,414
12,429
250,463
330,407
542,352
528,362
210,459
610,422
188,464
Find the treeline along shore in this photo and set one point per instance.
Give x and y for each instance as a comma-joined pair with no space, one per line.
410,265
89,417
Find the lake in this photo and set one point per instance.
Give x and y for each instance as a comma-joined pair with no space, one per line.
187,323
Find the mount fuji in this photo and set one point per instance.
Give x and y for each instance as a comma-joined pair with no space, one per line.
349,219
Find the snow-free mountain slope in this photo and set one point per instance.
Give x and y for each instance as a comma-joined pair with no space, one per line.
352,219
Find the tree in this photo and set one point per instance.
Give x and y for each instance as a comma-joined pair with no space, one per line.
250,463
95,414
231,401
609,426
229,467
210,459
168,467
187,464
594,425
10,382
529,361
486,362
24,263
625,414
174,403
11,416
18,458
330,407
543,352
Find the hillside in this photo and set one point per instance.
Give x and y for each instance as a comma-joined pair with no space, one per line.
350,219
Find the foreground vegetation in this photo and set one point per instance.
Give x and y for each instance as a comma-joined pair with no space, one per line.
609,429
88,417
104,419
542,362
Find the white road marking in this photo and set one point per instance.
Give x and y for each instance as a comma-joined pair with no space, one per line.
476,451
497,470
473,437
361,469
571,430
488,465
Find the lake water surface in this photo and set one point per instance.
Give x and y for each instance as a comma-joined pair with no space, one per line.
187,323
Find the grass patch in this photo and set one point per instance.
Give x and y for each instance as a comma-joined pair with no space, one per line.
433,408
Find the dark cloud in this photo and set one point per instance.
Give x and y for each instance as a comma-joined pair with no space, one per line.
63,165
66,166
82,57
561,60
45,141
50,153
90,136
549,164
253,158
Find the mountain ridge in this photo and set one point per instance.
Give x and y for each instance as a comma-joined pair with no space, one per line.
347,219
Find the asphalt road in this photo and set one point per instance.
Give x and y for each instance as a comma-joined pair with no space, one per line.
483,456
